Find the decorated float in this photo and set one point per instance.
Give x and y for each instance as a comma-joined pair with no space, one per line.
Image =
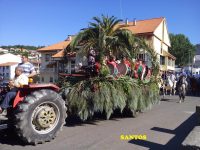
114,78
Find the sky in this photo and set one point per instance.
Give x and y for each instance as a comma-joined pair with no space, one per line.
45,22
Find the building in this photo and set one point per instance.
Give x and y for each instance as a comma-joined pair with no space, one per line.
153,30
8,70
49,68
36,61
196,62
8,62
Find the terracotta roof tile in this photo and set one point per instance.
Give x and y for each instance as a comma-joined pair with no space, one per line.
61,54
143,26
57,46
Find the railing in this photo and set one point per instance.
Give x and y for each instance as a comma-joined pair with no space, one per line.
48,70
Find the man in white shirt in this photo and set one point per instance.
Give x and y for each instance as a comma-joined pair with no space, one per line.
28,68
173,77
19,80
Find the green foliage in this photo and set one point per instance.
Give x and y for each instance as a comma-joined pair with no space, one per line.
107,94
182,49
104,71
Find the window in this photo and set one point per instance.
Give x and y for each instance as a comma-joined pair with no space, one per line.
72,66
162,60
51,79
42,79
7,75
7,67
47,57
170,62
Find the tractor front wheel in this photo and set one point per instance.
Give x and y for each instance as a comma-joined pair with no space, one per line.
40,116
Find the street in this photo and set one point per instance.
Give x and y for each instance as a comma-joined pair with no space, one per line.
165,126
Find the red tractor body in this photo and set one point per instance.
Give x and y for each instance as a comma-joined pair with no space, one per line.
30,88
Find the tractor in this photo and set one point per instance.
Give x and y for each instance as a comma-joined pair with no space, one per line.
37,114
38,111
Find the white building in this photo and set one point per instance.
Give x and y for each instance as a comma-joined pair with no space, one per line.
8,62
196,64
155,32
8,70
9,58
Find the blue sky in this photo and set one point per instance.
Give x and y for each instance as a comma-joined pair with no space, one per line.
45,22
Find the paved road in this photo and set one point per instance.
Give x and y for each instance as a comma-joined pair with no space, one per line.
166,126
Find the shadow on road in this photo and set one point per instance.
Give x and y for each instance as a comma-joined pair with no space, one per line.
180,134
73,121
9,137
167,100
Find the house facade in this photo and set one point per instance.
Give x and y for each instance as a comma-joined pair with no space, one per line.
196,62
155,32
49,68
7,70
8,62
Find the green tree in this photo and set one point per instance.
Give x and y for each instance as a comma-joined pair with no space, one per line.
106,36
182,49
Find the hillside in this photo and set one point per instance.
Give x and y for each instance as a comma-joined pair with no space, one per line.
28,47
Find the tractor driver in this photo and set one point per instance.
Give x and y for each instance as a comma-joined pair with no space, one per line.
19,80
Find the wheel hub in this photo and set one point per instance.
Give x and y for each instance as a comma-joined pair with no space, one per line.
46,117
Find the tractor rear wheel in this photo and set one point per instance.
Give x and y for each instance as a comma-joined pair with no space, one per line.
40,116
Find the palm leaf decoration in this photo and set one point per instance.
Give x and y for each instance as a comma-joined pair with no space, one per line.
109,95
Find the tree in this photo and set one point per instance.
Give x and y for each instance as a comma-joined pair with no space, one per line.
106,36
182,49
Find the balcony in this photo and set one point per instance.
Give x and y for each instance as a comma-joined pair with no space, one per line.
163,67
50,70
